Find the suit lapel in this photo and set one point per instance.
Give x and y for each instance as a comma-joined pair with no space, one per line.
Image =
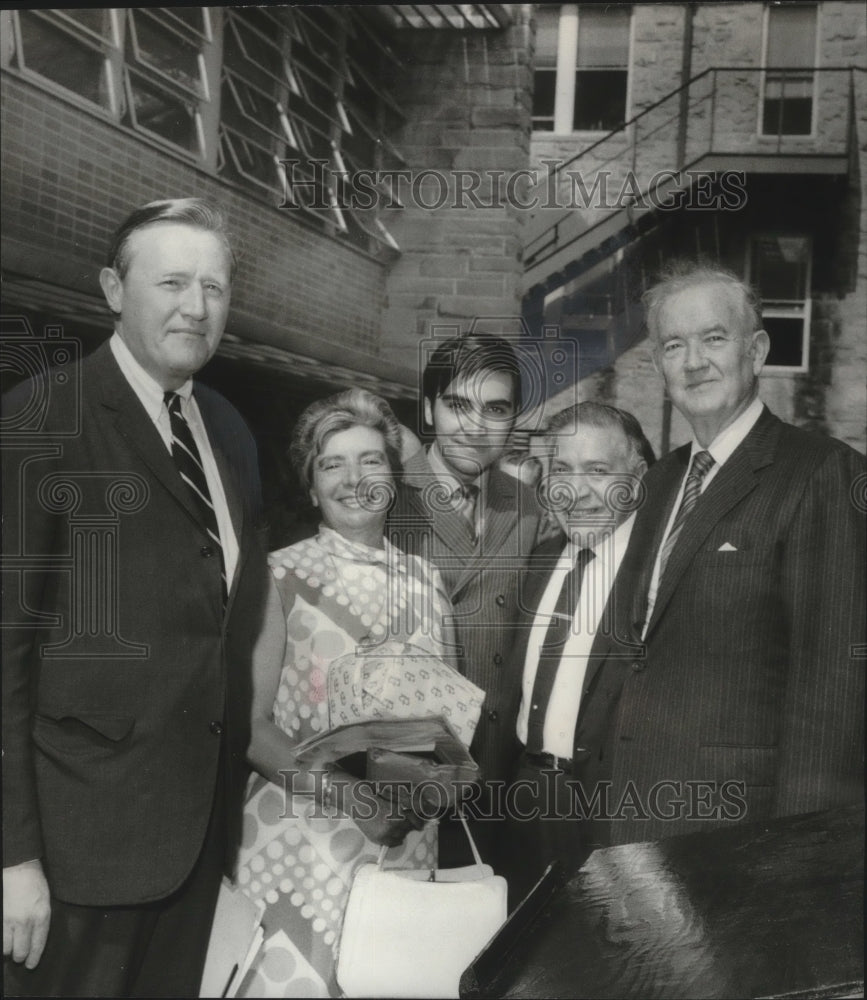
451,529
500,515
647,537
137,429
734,481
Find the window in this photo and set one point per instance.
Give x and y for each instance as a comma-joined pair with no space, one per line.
144,66
70,49
779,269
305,108
545,72
790,56
581,67
294,103
164,76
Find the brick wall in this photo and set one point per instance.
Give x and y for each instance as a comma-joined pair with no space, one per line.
69,176
467,100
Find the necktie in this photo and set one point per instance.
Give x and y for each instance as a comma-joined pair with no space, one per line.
552,649
185,452
702,462
464,498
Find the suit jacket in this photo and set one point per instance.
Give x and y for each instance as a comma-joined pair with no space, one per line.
748,700
125,687
483,583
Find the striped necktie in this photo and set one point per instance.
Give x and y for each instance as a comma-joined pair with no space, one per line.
702,462
189,464
465,499
552,649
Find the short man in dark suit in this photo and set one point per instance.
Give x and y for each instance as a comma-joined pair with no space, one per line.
476,522
747,567
595,456
131,508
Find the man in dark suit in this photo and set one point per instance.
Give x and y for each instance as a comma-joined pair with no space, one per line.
747,567
474,521
595,456
133,594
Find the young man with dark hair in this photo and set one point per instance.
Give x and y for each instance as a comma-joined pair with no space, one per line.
477,523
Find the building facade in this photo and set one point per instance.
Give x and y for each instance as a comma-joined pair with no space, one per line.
395,174
733,131
331,136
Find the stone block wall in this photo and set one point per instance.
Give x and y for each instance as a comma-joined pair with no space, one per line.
467,101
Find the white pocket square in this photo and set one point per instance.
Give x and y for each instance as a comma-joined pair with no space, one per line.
726,547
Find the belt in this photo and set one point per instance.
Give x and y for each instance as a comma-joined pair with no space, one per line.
548,761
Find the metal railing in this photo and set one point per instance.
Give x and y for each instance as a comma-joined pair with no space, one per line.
721,113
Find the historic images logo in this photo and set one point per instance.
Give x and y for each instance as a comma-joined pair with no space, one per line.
316,185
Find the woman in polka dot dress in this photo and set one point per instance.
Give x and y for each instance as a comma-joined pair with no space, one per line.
345,588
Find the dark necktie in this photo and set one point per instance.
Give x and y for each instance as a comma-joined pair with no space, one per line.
464,498
702,462
189,464
552,650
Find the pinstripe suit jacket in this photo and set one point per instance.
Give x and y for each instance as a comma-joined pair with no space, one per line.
751,673
483,583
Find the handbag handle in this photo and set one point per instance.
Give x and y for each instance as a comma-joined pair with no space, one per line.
383,850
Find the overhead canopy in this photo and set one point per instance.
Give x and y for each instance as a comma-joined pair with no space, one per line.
463,16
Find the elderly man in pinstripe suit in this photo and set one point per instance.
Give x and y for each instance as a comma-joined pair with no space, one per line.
746,565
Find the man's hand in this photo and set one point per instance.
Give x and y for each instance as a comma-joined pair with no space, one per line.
26,912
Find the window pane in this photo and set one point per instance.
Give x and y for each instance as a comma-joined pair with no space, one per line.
600,100
787,340
95,19
603,36
165,50
61,58
543,96
791,36
779,267
792,116
547,20
164,114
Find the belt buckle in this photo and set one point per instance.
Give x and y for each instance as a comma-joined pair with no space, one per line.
560,763
549,760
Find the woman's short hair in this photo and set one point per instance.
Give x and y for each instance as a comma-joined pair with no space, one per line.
340,412
195,212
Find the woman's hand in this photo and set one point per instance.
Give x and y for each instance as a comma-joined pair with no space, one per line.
382,820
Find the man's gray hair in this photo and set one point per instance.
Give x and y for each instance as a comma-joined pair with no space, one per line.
682,274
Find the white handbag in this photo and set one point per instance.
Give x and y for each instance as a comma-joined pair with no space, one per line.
408,934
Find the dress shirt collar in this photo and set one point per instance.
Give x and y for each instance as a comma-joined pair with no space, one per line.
724,444
610,550
148,390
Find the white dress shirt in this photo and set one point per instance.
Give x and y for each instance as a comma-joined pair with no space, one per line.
151,395
562,715
721,449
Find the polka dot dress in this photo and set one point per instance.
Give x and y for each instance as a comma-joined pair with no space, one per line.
294,858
